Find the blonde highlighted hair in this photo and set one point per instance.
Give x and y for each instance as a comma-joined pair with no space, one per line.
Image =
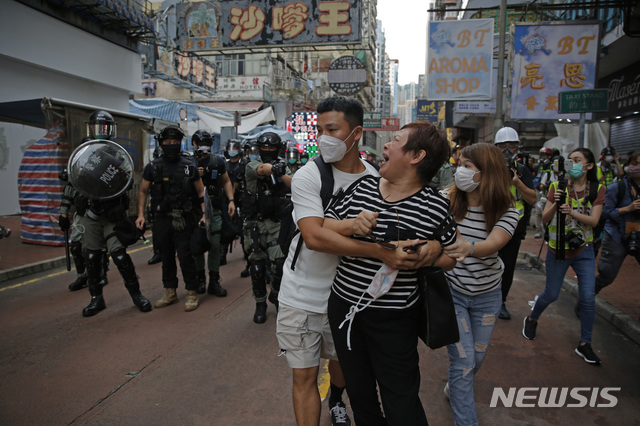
495,195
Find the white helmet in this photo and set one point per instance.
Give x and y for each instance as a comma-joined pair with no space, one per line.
506,134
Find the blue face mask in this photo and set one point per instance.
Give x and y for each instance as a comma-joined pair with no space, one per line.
233,153
576,171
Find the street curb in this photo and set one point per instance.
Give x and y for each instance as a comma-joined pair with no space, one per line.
623,322
32,268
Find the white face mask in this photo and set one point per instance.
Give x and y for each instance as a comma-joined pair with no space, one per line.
608,158
464,179
333,149
380,285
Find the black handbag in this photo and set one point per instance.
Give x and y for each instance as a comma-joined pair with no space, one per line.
438,325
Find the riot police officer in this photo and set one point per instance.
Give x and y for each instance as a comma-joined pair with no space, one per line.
178,205
102,172
66,205
267,181
213,172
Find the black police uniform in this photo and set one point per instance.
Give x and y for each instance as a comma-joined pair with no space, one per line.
176,209
214,168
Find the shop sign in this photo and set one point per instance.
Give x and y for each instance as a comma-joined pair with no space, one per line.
547,60
218,25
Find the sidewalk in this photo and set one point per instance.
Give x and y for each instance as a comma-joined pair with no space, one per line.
619,303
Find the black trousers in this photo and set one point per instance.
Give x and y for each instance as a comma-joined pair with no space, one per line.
169,242
509,256
384,352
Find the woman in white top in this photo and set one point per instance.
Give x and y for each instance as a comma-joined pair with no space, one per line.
483,207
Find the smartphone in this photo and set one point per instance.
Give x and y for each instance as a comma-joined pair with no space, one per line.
414,246
568,164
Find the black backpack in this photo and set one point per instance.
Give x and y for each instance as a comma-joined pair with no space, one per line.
326,194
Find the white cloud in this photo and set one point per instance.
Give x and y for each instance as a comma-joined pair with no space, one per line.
405,26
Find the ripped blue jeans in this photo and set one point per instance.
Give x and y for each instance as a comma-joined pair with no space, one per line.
476,319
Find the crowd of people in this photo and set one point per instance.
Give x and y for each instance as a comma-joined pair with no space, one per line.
336,244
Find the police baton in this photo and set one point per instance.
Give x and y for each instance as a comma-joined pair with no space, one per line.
66,249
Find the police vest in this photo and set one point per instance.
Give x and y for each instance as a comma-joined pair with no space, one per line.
172,185
516,194
582,205
609,175
214,168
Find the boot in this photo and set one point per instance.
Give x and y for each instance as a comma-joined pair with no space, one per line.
191,302
260,316
78,284
97,301
155,258
138,299
105,268
214,285
202,282
169,298
245,272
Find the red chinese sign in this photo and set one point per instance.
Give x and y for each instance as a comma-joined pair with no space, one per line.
217,25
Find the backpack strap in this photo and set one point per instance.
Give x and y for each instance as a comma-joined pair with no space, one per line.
326,194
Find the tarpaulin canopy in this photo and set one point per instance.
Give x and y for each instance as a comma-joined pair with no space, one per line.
255,133
197,116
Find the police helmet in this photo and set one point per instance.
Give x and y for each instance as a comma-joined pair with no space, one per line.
546,151
101,125
608,150
251,149
304,157
293,156
233,147
270,139
170,132
202,138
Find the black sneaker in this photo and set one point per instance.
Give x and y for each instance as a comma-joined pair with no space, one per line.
587,354
529,328
504,313
339,415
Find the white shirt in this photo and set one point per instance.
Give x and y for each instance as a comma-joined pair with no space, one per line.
308,286
478,275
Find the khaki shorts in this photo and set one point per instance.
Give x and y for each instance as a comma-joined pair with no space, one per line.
304,337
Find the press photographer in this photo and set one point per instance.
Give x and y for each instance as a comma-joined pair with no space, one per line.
621,230
573,214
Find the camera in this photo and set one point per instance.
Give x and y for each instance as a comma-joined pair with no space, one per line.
633,244
575,240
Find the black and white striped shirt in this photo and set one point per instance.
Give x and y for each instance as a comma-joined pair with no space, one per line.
417,216
477,275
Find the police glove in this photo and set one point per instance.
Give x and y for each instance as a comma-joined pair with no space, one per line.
177,221
64,222
278,168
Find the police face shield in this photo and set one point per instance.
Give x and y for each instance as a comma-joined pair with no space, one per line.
100,169
233,148
101,130
203,151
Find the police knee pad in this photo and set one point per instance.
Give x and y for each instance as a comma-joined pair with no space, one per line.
76,248
93,260
124,264
258,271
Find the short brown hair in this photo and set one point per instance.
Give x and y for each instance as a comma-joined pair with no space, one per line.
428,138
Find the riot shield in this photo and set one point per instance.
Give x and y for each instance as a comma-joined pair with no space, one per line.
100,169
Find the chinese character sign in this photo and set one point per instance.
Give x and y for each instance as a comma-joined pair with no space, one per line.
459,60
548,59
427,111
192,69
216,25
